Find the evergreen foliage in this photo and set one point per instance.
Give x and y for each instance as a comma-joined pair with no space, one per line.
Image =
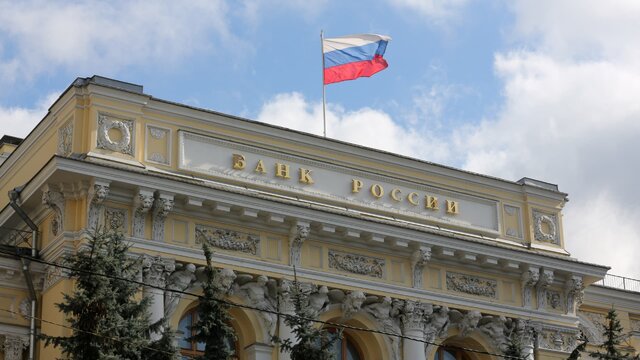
109,322
514,348
576,354
609,350
212,327
313,343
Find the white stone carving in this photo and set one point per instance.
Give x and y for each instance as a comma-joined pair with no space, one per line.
387,315
257,294
437,321
54,200
14,346
298,235
563,340
529,280
228,239
159,158
554,299
161,209
574,291
352,303
157,133
97,194
546,279
470,284
115,219
65,139
494,327
25,308
591,326
356,264
419,259
181,280
635,325
52,275
142,204
551,221
469,322
318,301
155,270
125,127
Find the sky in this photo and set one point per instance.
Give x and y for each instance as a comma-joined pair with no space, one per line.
526,88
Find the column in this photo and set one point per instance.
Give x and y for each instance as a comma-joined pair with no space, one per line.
155,272
413,322
287,307
14,346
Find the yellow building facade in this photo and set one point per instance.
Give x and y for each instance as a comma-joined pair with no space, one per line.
386,244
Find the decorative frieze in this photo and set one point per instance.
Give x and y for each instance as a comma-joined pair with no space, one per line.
356,264
545,227
123,143
299,234
591,324
635,326
563,340
419,259
228,239
65,139
474,285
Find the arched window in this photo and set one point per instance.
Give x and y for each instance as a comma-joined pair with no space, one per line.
344,348
445,353
191,348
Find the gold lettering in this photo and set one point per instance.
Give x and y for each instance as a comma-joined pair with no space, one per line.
431,202
452,207
238,161
305,176
377,190
260,168
395,194
282,170
356,185
412,198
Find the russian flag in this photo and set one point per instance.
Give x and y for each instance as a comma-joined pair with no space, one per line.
352,56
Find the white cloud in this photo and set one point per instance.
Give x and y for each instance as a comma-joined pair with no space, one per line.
40,36
19,121
366,126
435,10
254,10
570,117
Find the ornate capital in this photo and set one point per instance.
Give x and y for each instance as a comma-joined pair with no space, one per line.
54,200
161,209
155,270
414,316
419,259
546,279
14,345
529,280
299,234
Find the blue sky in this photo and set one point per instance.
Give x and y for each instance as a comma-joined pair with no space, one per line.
534,88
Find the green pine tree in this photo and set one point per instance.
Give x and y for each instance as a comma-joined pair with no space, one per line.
576,354
609,350
313,343
514,348
212,327
109,322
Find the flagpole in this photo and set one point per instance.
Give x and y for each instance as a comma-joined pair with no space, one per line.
324,106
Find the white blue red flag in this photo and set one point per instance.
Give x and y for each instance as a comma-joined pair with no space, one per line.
353,56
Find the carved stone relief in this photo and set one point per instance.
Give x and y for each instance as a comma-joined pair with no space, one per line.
157,133
573,292
529,280
14,346
635,325
65,139
97,194
299,234
159,158
546,279
356,264
124,143
591,325
228,239
545,227
419,259
473,285
142,203
116,219
162,206
554,300
558,339
25,308
54,200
